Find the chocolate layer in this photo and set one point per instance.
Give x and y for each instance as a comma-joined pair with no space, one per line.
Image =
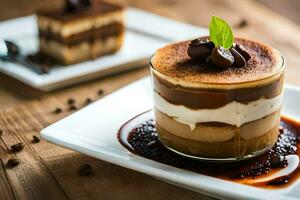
97,8
102,32
197,98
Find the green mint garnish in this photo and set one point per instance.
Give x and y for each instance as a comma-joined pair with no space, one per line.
220,32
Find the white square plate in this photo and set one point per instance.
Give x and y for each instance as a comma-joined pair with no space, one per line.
145,32
93,131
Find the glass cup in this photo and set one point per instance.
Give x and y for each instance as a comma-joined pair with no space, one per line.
188,118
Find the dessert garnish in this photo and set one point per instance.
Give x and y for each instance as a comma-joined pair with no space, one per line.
220,48
76,5
200,49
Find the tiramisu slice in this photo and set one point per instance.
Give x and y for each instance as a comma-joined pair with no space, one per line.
217,103
82,30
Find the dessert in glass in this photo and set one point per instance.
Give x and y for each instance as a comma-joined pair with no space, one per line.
215,103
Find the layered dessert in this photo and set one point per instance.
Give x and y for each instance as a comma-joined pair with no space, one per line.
80,31
224,106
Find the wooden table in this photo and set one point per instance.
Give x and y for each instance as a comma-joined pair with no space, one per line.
47,171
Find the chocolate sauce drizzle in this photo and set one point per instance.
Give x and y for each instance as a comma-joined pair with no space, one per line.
144,142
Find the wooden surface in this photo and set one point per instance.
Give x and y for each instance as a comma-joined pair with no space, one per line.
47,171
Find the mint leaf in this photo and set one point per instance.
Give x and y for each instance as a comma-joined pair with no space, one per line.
220,32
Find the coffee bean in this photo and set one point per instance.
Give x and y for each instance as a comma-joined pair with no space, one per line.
73,107
241,49
17,147
85,170
76,5
70,101
12,162
203,42
100,92
57,110
88,101
222,57
200,49
239,60
243,23
35,139
280,129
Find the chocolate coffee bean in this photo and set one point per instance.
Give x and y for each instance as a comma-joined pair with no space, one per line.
57,110
76,5
222,57
239,60
241,49
88,101
71,101
198,50
275,162
72,107
100,92
17,147
12,162
85,170
203,42
35,139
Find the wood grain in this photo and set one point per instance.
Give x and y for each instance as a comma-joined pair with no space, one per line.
47,171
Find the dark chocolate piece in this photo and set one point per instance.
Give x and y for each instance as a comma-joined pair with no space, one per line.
67,14
100,92
200,49
85,170
242,51
88,101
222,57
275,162
76,5
35,139
239,60
12,162
72,107
17,147
203,42
243,23
71,101
57,110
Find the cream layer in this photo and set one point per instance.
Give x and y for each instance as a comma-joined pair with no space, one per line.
233,113
210,133
66,29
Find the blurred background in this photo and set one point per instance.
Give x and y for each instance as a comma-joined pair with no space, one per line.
288,8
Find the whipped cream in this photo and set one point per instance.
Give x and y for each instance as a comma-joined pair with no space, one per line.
233,113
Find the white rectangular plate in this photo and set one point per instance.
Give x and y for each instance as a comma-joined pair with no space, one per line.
93,131
145,32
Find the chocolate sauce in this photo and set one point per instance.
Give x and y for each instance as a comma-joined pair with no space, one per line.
143,140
